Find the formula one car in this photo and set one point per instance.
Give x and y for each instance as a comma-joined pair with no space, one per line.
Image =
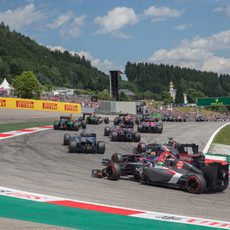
68,123
171,172
186,152
150,126
125,119
201,118
125,133
95,120
85,143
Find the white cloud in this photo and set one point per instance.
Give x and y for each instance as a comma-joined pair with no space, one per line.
182,27
61,20
225,10
115,20
75,28
103,65
198,53
162,13
21,17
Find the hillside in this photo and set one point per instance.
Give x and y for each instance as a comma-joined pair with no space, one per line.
20,53
156,78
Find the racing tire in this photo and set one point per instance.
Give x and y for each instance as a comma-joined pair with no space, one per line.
114,136
66,139
137,136
106,120
139,128
83,124
75,126
141,147
116,121
106,131
195,184
56,125
101,147
113,171
117,158
72,146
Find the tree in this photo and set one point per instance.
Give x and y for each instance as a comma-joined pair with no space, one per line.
179,95
166,98
26,85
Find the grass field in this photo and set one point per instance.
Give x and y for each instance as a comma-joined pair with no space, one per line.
21,125
223,137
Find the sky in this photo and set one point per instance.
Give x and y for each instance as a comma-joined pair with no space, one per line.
109,33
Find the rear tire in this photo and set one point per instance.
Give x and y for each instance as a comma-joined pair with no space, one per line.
113,171
117,158
66,139
106,120
114,136
139,128
141,147
75,126
56,125
101,147
106,131
116,121
137,136
72,146
83,125
195,184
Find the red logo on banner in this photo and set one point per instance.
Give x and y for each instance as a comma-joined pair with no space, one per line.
49,105
2,103
25,104
73,108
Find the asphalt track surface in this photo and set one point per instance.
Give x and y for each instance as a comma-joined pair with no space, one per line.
40,163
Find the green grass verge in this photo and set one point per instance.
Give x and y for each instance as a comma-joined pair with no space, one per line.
223,136
21,125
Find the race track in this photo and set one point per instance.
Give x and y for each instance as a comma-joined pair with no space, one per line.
40,163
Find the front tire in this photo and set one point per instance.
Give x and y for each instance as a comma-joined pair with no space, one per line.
66,139
117,158
72,146
113,171
101,147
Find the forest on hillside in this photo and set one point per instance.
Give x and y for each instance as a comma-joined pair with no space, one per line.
19,53
156,78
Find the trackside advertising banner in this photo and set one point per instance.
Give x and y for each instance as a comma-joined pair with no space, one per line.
54,106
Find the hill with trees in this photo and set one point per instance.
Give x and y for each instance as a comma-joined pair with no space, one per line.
148,77
19,53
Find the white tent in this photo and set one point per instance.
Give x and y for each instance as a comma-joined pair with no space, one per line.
6,86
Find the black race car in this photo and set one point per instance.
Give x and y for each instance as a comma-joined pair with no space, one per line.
125,133
172,172
125,119
84,143
94,120
150,126
68,123
201,118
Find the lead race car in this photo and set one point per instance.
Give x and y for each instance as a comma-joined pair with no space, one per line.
68,123
165,169
84,143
